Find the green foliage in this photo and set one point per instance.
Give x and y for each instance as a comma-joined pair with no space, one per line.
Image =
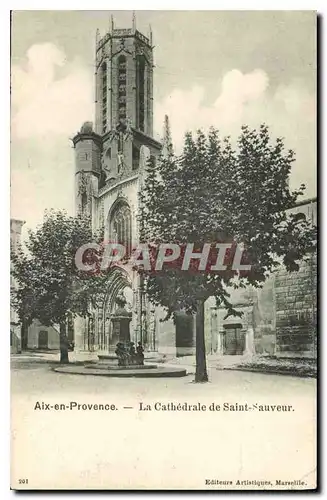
49,285
214,192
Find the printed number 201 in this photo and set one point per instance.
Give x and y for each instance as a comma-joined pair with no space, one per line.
22,481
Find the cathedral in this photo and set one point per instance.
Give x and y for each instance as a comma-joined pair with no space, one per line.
110,159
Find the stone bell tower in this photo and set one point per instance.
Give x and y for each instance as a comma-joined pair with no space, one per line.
110,159
88,148
110,151
124,99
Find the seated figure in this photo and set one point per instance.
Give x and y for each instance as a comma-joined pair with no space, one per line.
121,354
139,354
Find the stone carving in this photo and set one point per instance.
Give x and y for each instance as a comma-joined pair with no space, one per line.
122,131
139,353
125,348
127,356
144,156
82,184
109,174
87,128
120,164
141,50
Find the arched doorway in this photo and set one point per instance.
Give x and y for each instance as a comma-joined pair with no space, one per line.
234,339
119,282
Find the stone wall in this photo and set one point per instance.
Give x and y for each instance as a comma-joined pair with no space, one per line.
296,301
282,314
264,318
296,306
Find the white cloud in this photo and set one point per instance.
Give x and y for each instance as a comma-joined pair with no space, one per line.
44,105
247,99
237,91
51,97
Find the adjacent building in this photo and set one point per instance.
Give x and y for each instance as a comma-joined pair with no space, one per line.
15,326
278,319
36,335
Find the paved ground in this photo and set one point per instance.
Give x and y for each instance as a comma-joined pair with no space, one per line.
35,376
70,448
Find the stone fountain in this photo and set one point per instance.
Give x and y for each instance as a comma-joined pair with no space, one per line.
128,361
125,353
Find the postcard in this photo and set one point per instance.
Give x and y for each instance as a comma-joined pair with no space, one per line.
163,326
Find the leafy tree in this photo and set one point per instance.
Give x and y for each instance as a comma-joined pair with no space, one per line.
50,287
214,192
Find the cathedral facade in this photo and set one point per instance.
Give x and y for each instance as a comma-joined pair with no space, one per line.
110,159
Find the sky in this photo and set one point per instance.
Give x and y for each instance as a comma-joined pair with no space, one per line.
220,68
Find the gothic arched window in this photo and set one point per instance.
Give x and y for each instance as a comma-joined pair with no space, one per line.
121,226
122,88
104,97
140,91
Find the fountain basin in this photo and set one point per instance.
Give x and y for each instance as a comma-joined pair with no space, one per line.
145,371
105,366
148,356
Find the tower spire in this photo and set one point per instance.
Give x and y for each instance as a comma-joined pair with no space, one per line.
112,23
167,144
97,36
150,34
134,22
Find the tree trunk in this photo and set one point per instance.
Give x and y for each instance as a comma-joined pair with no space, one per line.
63,344
201,374
24,335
